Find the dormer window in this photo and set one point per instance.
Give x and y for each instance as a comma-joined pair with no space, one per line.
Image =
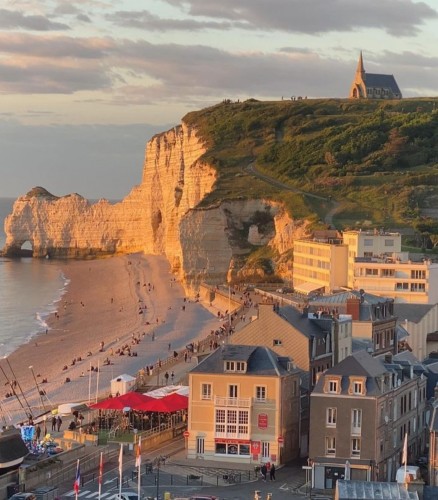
357,386
332,385
277,342
235,366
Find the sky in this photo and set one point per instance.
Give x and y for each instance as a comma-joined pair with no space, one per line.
84,84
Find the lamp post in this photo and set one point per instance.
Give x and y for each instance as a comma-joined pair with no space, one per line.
158,477
38,388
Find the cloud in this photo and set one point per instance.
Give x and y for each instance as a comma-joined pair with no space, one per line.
13,19
397,17
144,20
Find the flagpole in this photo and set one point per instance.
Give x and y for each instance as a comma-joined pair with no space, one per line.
97,380
100,474
120,470
77,480
139,466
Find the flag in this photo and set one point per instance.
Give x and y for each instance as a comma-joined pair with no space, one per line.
121,460
77,482
101,468
138,454
405,451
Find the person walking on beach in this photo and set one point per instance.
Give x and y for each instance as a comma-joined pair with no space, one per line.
172,376
53,423
166,376
59,422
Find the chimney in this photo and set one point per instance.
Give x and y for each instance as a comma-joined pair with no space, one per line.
353,307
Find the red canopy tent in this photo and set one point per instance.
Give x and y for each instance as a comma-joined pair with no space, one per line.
132,400
168,404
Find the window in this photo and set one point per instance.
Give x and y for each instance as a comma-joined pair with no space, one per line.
331,417
232,391
386,273
356,421
200,445
265,449
277,342
243,422
389,243
333,386
418,287
371,272
418,275
402,286
231,421
235,366
220,421
205,391
357,388
261,393
330,446
368,242
355,447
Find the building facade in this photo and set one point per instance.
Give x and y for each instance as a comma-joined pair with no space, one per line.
244,407
360,411
373,85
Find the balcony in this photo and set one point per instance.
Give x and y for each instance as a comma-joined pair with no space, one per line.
232,432
232,402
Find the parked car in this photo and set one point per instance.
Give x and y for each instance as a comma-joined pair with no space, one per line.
127,495
23,496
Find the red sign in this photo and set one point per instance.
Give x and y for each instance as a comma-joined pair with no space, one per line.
263,421
280,439
186,434
255,447
231,441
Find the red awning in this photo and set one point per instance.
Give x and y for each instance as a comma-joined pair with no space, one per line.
133,400
168,404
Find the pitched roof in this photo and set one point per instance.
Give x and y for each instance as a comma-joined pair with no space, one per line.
272,329
372,490
412,312
382,81
260,361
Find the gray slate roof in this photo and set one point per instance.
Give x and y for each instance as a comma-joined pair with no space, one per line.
412,312
368,490
308,327
382,81
260,360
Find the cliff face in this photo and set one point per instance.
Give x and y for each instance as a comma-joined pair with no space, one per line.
160,216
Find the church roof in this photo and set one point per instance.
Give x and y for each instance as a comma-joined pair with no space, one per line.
374,80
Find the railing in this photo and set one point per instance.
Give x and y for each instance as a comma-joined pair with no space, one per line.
234,402
232,435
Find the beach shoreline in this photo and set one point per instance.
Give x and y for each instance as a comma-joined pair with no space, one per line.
130,301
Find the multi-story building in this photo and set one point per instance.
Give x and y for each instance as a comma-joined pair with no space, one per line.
360,411
373,319
319,265
364,260
244,406
377,264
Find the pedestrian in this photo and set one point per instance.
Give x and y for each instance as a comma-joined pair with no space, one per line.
172,376
166,376
272,472
53,423
59,422
38,432
263,471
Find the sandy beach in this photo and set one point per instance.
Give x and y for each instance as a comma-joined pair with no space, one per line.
121,301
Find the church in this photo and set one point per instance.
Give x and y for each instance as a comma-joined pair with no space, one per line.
372,85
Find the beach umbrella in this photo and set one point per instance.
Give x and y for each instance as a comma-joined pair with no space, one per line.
133,400
168,404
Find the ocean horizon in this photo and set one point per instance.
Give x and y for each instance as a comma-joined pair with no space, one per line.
30,290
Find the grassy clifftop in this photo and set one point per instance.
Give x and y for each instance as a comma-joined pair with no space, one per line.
377,159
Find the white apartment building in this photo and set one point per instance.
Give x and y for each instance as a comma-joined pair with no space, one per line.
367,260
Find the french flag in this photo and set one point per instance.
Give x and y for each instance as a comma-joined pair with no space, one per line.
77,482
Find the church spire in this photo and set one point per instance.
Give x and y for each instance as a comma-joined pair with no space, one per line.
360,69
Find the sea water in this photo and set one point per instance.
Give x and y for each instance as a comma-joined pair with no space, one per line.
30,290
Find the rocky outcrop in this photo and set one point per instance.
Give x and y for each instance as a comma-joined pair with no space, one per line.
159,216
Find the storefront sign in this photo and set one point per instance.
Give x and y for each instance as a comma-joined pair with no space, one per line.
262,421
232,441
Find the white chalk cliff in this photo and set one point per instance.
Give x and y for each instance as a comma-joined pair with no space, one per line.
159,216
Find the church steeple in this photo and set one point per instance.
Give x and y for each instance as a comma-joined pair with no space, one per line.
360,70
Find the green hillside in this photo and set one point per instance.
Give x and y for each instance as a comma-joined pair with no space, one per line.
377,159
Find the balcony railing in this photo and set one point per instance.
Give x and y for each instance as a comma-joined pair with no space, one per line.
234,402
356,431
